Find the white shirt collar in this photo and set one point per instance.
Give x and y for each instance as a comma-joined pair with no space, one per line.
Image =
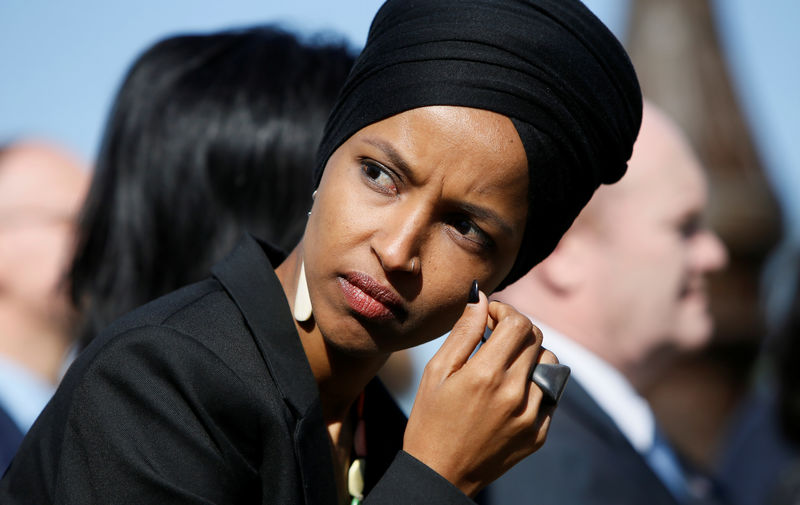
22,394
607,386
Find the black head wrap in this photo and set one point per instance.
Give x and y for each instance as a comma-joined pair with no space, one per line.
549,65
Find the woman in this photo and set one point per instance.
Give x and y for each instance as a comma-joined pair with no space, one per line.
210,135
466,139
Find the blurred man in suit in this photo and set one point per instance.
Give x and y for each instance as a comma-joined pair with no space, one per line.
624,291
41,189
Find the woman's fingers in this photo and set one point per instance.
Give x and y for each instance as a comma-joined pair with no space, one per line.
546,356
464,337
514,344
473,418
539,412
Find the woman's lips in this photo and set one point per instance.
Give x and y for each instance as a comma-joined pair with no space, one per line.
369,298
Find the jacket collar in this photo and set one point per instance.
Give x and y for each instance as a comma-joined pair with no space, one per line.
576,399
581,406
248,276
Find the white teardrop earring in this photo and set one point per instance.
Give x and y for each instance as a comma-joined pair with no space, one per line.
302,300
313,197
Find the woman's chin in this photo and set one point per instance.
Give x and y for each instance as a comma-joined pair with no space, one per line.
353,337
361,348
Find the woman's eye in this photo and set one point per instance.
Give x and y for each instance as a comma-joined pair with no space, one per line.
464,226
469,230
378,177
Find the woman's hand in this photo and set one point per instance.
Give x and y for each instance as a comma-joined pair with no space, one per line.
474,418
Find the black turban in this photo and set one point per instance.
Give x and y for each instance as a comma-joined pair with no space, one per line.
551,66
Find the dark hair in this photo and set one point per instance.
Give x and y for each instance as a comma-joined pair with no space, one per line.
785,351
209,136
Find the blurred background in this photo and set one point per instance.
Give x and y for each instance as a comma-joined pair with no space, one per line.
727,70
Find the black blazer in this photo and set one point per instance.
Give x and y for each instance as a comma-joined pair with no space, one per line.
586,460
205,396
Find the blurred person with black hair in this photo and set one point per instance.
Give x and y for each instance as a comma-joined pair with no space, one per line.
209,136
786,353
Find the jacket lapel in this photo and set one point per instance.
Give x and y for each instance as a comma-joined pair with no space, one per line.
385,425
577,400
248,276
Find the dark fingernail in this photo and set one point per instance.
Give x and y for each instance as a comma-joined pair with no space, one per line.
473,292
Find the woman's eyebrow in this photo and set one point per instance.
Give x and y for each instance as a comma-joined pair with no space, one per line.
488,215
391,153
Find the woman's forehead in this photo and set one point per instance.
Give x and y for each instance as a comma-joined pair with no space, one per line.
452,138
450,141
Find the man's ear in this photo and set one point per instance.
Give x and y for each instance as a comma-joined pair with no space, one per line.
564,269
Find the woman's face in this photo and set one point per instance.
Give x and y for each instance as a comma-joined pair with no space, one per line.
409,211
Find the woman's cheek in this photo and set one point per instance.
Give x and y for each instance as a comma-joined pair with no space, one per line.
446,298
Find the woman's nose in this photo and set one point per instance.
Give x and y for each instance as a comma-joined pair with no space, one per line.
397,245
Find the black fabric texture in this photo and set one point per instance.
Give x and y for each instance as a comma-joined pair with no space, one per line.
549,65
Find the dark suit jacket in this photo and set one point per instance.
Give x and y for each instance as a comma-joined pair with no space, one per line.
586,460
205,396
10,438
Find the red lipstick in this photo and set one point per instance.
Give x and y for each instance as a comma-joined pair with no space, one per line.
370,299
